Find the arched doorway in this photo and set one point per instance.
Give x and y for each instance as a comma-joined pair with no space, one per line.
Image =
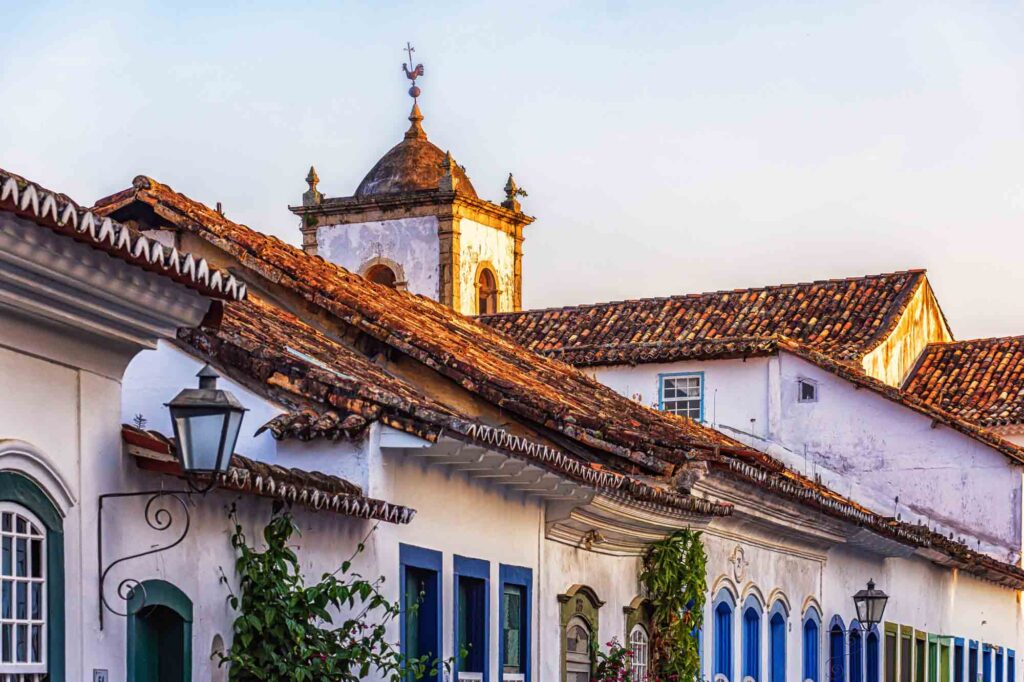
159,634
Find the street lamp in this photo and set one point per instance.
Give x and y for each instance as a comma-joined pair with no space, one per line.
870,604
206,423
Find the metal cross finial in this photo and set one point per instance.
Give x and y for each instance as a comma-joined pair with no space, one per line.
410,49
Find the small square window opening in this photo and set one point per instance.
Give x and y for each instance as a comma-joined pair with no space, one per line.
807,391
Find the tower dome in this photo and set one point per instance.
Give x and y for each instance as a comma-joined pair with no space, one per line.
413,164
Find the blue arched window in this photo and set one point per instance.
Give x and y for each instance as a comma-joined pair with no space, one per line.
723,608
872,660
856,667
752,611
836,650
777,618
812,644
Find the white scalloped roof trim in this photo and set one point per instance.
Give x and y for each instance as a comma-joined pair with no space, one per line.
113,236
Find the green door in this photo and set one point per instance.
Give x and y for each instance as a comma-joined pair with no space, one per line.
160,635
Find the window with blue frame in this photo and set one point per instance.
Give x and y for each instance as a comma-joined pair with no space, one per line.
777,642
812,644
1011,666
972,662
837,650
515,618
999,666
958,660
986,663
752,611
472,581
856,666
872,662
420,617
722,610
682,393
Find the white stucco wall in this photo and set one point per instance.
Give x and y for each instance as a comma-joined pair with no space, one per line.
480,244
857,442
882,451
412,243
735,391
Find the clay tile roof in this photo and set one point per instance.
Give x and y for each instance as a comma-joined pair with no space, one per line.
493,366
845,318
313,489
980,381
60,214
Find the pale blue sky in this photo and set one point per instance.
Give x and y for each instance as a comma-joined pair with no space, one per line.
667,147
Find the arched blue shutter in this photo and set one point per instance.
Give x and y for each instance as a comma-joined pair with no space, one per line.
723,635
752,643
872,658
811,649
856,654
778,648
836,654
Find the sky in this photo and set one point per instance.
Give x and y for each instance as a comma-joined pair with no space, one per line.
667,147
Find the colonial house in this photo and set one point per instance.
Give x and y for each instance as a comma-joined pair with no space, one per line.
510,491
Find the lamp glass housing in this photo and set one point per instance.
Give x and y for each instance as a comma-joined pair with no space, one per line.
870,604
206,422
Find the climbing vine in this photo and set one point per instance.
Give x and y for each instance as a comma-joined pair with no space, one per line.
673,574
287,630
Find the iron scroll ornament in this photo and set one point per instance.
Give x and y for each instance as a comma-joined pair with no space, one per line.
158,518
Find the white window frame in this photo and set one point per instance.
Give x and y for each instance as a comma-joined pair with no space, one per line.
641,652
24,670
665,403
800,390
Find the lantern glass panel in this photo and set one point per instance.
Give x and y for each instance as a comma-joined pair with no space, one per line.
199,438
231,437
876,607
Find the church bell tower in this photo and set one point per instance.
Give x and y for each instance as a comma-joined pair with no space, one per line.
415,222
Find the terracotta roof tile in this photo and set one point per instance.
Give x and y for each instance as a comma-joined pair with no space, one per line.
981,381
255,337
845,318
319,491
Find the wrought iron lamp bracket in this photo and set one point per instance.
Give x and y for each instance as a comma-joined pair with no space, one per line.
159,518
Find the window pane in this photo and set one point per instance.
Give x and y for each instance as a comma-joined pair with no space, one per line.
21,644
21,557
37,644
6,525
37,601
5,610
512,628
21,602
6,564
37,558
6,655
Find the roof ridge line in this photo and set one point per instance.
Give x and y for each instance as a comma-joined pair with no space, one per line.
671,297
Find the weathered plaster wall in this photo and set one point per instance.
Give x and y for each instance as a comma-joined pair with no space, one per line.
410,242
734,390
615,580
865,446
479,244
921,323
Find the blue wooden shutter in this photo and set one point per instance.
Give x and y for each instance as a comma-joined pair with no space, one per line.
752,643
837,655
810,650
778,648
723,640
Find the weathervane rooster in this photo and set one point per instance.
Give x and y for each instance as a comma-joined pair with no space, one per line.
412,72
